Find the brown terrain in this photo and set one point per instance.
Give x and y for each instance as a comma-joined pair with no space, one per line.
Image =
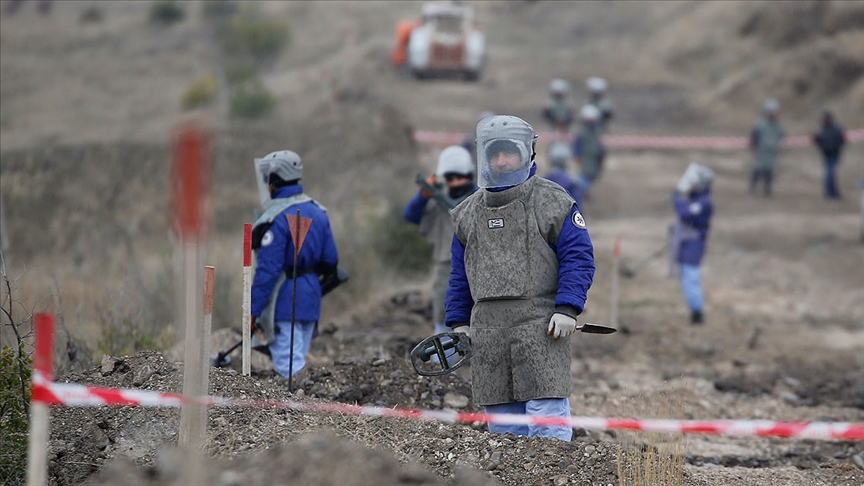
87,115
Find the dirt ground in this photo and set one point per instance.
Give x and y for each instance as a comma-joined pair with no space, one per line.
86,115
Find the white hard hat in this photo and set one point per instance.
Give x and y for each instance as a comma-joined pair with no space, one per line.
771,106
597,85
589,113
455,159
559,86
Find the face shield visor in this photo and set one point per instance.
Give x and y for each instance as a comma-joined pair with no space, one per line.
505,151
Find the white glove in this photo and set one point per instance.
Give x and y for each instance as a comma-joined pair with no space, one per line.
561,325
466,330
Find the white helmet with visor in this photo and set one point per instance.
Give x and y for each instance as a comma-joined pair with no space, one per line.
505,151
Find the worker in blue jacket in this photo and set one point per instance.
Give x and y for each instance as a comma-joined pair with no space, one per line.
689,235
522,266
272,286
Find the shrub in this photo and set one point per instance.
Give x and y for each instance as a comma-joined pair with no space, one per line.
167,12
251,100
401,245
264,37
201,92
241,74
13,415
92,15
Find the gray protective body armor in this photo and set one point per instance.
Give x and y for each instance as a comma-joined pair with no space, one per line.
267,319
438,228
513,275
770,138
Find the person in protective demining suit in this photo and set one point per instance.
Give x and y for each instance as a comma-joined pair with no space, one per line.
689,235
432,213
522,266
274,269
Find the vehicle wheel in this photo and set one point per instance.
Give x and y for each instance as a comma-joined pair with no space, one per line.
472,75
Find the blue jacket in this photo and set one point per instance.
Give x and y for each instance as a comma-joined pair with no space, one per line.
567,182
575,254
694,213
276,255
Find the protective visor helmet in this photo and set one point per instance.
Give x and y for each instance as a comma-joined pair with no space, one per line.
505,151
284,164
697,177
559,154
589,113
596,85
559,87
771,106
455,159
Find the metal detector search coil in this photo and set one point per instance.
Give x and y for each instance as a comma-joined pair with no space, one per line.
438,345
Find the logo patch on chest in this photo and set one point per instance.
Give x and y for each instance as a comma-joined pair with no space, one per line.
496,223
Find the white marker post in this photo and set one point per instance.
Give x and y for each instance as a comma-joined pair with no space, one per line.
40,416
616,264
246,318
190,185
209,280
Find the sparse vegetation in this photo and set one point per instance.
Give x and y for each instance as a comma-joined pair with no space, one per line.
92,15
201,92
167,12
15,366
137,320
259,37
401,245
252,100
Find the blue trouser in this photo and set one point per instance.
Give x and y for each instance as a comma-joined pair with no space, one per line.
691,287
830,177
551,407
280,348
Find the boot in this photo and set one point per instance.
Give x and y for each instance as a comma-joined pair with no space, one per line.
696,318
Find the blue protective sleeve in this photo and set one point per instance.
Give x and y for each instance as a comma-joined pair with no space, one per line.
415,207
575,263
458,304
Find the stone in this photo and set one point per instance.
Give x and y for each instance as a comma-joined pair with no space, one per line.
455,400
108,363
560,480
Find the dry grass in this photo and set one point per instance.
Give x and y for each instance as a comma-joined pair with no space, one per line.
649,459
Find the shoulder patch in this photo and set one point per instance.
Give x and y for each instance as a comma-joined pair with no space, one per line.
267,238
578,220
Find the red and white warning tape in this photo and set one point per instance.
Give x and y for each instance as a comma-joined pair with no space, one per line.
70,394
642,142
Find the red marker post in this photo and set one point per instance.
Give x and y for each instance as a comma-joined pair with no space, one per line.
246,318
40,417
299,227
190,183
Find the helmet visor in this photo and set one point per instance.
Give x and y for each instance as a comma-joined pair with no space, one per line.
503,162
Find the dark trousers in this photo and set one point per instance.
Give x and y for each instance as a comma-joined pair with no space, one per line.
765,175
831,191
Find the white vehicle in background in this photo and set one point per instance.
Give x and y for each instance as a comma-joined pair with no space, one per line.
446,41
